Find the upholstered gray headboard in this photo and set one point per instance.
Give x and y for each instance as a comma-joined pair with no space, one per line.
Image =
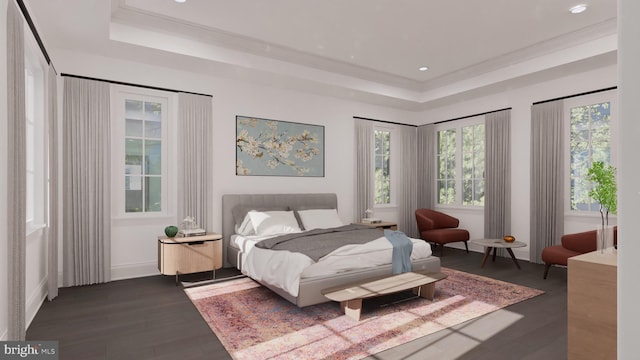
266,201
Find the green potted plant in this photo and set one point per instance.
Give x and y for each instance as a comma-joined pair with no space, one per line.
604,191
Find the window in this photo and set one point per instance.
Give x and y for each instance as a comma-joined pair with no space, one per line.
382,167
590,137
35,130
143,156
446,178
460,163
140,129
30,102
473,165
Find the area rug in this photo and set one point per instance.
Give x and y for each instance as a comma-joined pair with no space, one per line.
254,323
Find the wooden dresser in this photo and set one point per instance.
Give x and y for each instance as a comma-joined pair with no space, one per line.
592,306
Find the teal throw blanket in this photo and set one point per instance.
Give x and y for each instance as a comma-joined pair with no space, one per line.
402,247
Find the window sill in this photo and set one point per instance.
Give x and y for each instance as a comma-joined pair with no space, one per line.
460,208
123,219
587,215
385,207
32,229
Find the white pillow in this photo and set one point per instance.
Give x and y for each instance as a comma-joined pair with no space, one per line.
246,228
319,219
273,222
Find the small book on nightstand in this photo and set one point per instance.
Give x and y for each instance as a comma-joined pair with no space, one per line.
371,221
192,232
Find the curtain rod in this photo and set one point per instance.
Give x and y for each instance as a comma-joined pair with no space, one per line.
575,95
470,116
131,84
34,31
383,121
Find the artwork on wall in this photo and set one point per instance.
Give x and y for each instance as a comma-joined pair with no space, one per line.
278,148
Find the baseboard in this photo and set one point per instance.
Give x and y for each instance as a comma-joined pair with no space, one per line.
129,271
35,300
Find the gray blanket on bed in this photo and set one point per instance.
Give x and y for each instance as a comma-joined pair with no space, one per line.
320,242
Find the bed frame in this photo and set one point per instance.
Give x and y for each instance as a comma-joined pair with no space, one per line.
310,291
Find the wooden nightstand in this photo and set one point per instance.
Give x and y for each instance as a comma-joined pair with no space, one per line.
381,225
191,254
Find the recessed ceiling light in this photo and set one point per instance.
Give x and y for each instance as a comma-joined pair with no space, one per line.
180,1
423,68
578,9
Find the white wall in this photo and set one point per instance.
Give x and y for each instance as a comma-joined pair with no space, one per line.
134,242
629,194
520,100
3,170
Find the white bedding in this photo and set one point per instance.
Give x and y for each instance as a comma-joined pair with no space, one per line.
284,269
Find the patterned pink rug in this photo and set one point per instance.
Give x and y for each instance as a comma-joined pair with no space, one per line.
254,323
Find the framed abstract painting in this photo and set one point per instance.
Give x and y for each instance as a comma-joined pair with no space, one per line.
267,147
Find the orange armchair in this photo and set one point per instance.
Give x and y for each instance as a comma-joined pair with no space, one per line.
571,245
440,229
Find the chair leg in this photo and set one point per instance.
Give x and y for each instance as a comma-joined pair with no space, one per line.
442,250
546,270
434,248
466,246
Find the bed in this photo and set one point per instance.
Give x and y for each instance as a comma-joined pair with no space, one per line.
309,288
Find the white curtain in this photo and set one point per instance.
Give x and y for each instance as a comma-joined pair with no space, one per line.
52,229
497,201
364,186
426,168
86,179
17,182
407,193
195,156
547,169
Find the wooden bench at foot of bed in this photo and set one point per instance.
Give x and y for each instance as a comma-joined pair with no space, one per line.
350,296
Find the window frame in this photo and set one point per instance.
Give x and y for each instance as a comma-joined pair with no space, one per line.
457,125
584,100
119,94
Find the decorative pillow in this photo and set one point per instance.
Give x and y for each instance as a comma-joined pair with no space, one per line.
320,219
242,221
298,208
246,227
273,222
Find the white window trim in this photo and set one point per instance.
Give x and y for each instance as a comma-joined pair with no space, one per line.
393,164
457,125
612,98
169,139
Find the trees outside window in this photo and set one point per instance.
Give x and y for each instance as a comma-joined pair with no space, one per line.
473,153
460,162
589,142
382,163
446,162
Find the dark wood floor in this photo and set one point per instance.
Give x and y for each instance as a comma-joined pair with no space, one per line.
151,318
